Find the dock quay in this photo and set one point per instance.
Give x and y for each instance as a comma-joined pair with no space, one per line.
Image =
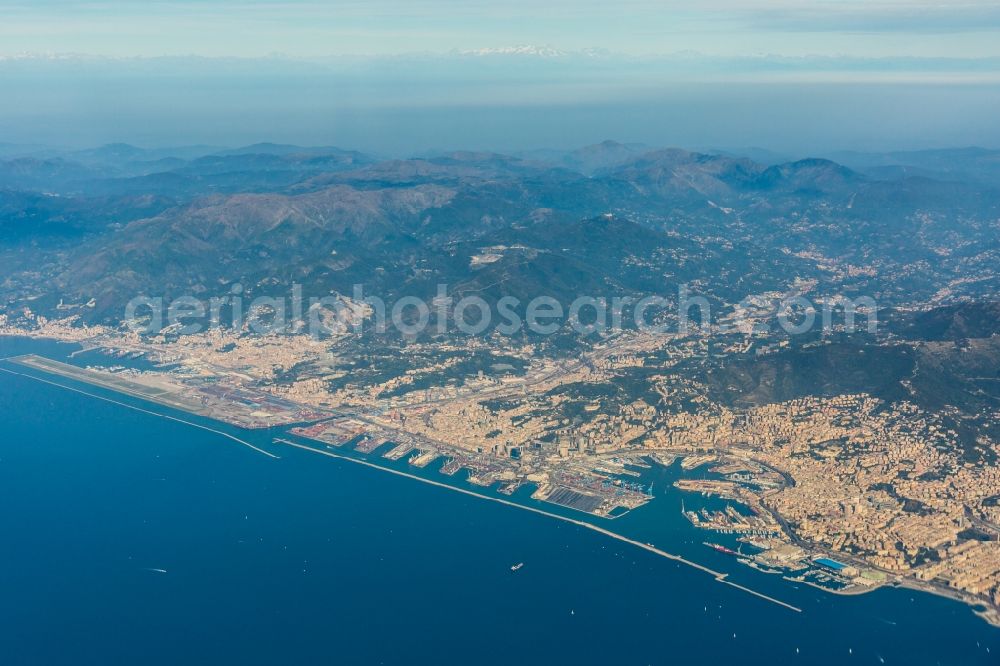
661,458
484,480
509,487
731,521
707,487
569,498
693,462
398,451
424,458
607,470
335,433
368,444
451,467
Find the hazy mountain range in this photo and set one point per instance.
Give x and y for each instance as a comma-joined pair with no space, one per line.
84,231
116,221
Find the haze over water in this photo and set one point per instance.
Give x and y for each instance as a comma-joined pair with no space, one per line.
313,560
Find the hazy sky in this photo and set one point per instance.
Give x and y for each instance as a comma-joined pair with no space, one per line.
722,27
394,75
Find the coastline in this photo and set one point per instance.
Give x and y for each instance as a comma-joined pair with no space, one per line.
986,612
989,615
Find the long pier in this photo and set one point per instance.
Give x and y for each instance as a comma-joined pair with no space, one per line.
719,576
144,411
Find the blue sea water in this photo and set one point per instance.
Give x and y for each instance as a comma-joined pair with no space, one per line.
311,560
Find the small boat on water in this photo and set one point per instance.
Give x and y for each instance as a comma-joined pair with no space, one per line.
517,566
